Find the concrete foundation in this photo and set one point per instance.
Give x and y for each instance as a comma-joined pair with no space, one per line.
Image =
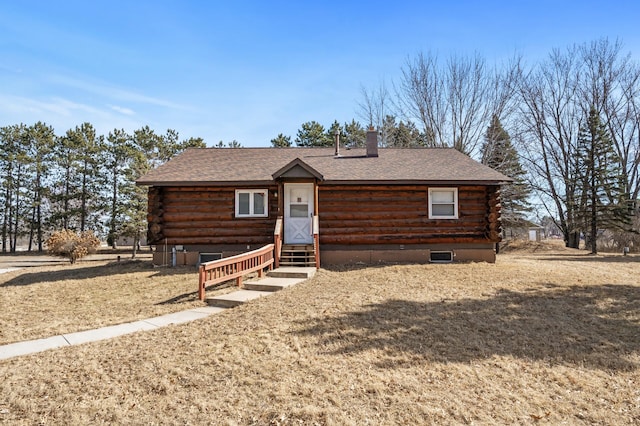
340,255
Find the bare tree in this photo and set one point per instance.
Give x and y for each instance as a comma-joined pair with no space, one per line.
611,85
454,103
422,95
549,118
554,99
374,108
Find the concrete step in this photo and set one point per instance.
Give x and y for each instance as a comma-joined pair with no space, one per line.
236,298
293,272
271,284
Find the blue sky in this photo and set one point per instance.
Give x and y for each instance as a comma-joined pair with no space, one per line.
248,70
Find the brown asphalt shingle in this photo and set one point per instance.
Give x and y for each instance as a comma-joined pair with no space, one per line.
233,165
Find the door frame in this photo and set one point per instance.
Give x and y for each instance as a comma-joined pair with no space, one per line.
312,203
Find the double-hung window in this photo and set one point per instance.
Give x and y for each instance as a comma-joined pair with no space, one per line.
443,203
252,203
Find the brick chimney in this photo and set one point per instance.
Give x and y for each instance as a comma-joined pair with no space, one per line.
372,142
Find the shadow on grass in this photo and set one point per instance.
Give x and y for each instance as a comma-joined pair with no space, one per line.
181,298
91,272
358,266
591,326
593,258
191,296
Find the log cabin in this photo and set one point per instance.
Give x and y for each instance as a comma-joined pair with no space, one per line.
321,206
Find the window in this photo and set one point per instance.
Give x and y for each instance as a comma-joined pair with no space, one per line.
252,203
443,203
441,256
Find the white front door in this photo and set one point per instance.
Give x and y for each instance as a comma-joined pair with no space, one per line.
298,213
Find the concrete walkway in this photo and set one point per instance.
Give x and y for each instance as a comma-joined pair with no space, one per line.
236,298
33,346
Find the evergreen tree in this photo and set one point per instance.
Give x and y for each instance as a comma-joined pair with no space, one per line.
233,144
149,151
355,135
281,141
331,132
90,145
41,140
499,154
192,143
16,178
386,132
9,146
312,134
601,182
64,185
116,158
404,135
76,191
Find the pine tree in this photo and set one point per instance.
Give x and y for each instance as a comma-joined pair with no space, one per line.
233,144
499,154
64,186
600,184
312,134
89,174
354,135
116,157
404,135
41,138
16,178
281,141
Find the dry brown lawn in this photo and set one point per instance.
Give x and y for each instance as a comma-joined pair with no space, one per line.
45,301
544,336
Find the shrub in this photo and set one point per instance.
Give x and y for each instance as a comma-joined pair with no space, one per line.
72,245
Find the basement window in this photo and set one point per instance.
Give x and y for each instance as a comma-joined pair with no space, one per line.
441,256
252,203
209,257
443,203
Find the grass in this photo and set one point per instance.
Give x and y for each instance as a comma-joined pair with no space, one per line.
544,336
45,301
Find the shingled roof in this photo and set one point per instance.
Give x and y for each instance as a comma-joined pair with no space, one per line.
226,166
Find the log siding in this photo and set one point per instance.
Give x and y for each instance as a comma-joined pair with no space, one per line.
349,215
394,214
206,216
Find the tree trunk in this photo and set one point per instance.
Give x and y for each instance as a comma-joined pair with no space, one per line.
33,214
572,240
136,242
39,209
67,190
114,206
16,224
83,194
594,207
6,218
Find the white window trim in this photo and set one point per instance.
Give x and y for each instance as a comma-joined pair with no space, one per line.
455,203
251,192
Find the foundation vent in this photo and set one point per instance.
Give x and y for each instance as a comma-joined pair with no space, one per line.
441,257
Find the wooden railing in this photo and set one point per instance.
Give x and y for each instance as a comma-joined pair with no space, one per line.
277,240
226,269
316,239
